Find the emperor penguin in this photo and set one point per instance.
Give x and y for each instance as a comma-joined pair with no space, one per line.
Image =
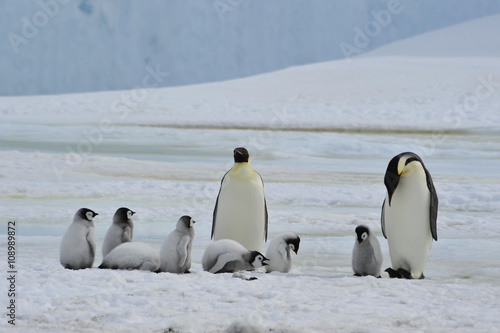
132,255
120,231
77,249
278,252
409,214
366,254
240,211
175,252
229,256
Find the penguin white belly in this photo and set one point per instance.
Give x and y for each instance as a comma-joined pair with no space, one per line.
241,209
407,225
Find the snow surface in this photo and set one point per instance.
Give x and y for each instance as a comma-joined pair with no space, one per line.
321,136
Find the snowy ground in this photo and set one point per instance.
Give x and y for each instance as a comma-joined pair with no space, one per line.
321,136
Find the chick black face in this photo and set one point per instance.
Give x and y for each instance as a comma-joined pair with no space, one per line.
362,233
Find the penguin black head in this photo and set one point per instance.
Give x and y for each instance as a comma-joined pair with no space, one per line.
293,243
362,233
187,221
257,259
86,214
123,214
395,169
241,155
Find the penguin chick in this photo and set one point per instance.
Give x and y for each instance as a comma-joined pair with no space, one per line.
175,252
77,249
278,252
120,231
132,255
229,256
240,211
366,254
409,215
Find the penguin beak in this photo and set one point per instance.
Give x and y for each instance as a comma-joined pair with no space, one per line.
296,251
265,262
132,212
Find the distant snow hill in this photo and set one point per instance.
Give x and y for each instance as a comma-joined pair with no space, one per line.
59,47
475,38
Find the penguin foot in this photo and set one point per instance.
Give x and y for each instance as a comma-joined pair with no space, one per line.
393,273
401,273
242,276
405,274
356,274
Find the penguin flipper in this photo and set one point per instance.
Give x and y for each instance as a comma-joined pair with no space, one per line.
215,208
127,235
282,251
382,219
182,250
266,217
91,242
433,209
222,262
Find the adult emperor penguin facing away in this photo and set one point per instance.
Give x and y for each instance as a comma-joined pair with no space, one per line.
120,231
409,214
175,252
77,249
366,254
229,256
240,212
278,252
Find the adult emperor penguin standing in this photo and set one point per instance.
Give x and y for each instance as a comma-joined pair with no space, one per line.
240,212
77,249
120,231
409,215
